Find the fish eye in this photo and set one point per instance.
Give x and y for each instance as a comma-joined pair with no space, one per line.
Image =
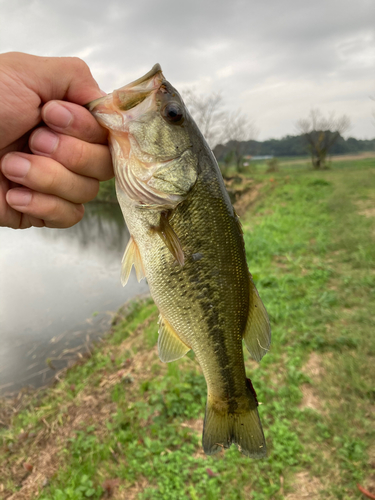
173,113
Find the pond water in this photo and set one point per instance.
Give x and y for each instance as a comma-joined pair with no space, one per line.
59,289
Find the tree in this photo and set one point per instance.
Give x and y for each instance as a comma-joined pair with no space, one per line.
321,134
238,130
218,125
208,114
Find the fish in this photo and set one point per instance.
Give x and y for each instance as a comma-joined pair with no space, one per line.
187,240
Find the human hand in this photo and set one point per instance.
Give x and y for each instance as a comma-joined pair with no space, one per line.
47,172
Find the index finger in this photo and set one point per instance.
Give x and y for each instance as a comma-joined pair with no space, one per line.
31,81
67,78
74,120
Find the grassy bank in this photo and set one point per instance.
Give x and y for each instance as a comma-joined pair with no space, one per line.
121,423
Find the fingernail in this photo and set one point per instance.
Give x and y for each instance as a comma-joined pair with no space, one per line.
57,115
15,166
18,197
43,141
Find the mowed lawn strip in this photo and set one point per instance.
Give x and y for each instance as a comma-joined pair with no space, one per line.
124,424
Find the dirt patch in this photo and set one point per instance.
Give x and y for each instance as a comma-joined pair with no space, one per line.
371,450
195,425
40,452
242,192
369,486
131,493
368,212
305,486
313,368
360,156
281,261
247,199
366,208
310,398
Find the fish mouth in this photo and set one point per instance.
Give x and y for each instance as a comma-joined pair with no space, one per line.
132,94
156,69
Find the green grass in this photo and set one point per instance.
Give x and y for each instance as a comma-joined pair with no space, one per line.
107,191
124,415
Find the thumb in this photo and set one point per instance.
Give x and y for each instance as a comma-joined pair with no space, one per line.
61,78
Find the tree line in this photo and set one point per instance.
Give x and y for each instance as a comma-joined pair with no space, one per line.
293,145
231,135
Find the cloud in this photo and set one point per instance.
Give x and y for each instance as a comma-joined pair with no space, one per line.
272,59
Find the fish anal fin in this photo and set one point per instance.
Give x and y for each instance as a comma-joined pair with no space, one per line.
132,256
169,344
170,238
257,335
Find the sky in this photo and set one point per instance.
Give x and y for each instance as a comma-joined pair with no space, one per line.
274,60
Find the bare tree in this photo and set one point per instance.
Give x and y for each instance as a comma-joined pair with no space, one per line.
238,130
207,111
321,133
217,125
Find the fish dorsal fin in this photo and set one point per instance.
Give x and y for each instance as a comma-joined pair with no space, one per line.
257,336
170,238
169,344
132,257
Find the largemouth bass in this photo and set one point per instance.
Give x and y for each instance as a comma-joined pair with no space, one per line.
187,241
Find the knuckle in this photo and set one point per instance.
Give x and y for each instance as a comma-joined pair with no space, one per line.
51,180
62,214
93,131
79,63
53,211
78,156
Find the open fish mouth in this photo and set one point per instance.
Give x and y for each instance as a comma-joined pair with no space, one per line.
156,69
132,94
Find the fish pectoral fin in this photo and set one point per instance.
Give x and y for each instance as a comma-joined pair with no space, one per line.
170,346
170,238
132,256
257,336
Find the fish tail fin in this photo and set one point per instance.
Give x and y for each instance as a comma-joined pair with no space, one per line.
222,428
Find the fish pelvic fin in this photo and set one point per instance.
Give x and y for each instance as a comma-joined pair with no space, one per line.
132,256
222,428
170,346
257,336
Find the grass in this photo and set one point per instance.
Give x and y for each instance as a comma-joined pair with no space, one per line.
123,423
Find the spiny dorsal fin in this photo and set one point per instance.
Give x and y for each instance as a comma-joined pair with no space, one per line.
169,344
132,256
170,238
257,336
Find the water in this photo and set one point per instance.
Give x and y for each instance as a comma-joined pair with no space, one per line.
58,290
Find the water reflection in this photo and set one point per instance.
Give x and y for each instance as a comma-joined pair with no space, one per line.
56,288
103,225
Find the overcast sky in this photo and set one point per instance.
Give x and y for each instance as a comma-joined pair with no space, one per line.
273,59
